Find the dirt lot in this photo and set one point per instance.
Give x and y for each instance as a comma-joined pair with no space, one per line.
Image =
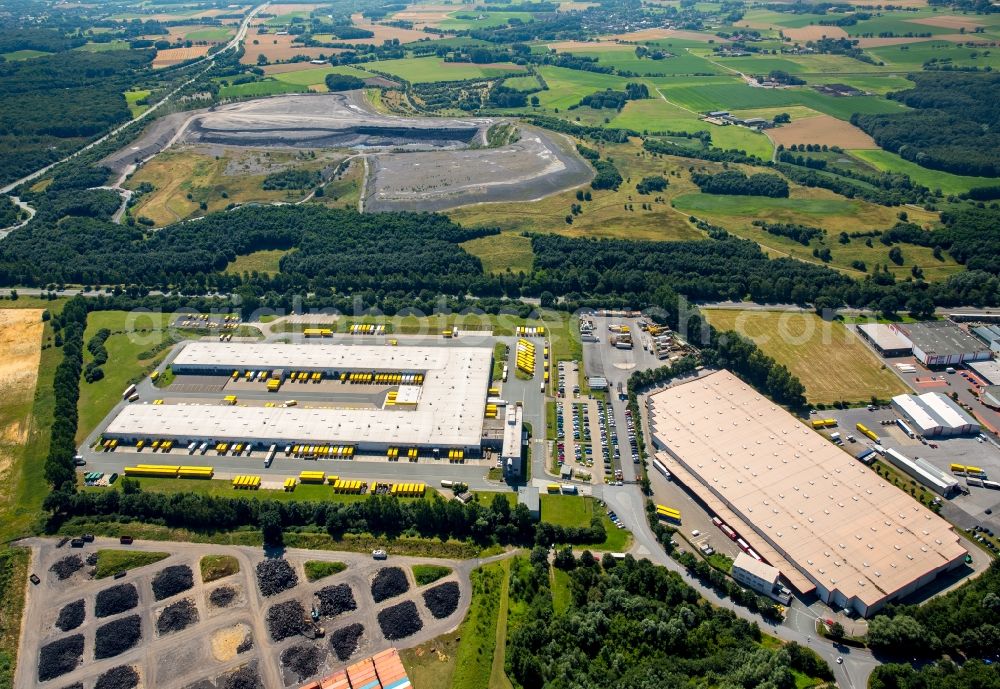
20,349
276,48
822,129
814,33
229,633
172,56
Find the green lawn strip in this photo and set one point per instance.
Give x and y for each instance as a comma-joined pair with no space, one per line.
321,569
560,584
110,561
426,574
13,581
932,179
475,655
498,678
224,489
215,567
310,539
500,351
573,510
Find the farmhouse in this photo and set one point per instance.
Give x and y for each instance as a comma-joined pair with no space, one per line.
828,523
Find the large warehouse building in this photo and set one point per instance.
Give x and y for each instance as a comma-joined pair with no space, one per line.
942,343
445,411
934,415
828,523
886,339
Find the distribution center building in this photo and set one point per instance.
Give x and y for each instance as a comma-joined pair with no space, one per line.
933,415
445,411
827,522
942,343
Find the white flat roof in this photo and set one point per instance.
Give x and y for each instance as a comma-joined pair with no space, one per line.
884,336
449,410
835,520
990,370
916,413
512,431
933,410
759,569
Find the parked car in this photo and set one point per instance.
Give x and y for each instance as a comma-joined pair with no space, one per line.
380,554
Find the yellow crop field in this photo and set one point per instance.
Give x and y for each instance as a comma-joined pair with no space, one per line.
831,361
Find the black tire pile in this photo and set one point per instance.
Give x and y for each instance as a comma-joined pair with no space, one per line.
121,677
117,636
285,620
274,576
71,616
302,660
336,600
389,583
177,616
67,567
400,621
222,597
172,580
244,677
59,657
345,641
442,600
116,599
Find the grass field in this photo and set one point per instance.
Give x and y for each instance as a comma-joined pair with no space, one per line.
738,96
13,580
832,362
459,21
133,98
932,179
561,596
210,34
102,47
912,56
110,562
573,510
215,567
254,89
429,69
264,261
502,252
528,83
427,574
624,58
317,76
486,622
568,86
321,569
131,353
16,55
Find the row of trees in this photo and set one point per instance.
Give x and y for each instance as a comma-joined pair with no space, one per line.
60,471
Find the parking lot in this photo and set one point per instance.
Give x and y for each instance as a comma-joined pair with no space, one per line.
222,633
964,510
581,432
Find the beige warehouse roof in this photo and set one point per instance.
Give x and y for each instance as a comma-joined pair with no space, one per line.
836,521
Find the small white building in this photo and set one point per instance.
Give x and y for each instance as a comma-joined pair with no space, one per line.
513,432
760,577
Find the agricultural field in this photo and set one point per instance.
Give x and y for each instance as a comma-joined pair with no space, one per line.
913,56
624,58
265,261
832,362
104,46
315,77
21,332
568,86
823,130
255,89
932,179
174,56
430,69
460,21
276,48
17,55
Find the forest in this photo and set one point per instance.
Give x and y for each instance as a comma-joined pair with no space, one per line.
633,624
953,126
739,184
51,105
